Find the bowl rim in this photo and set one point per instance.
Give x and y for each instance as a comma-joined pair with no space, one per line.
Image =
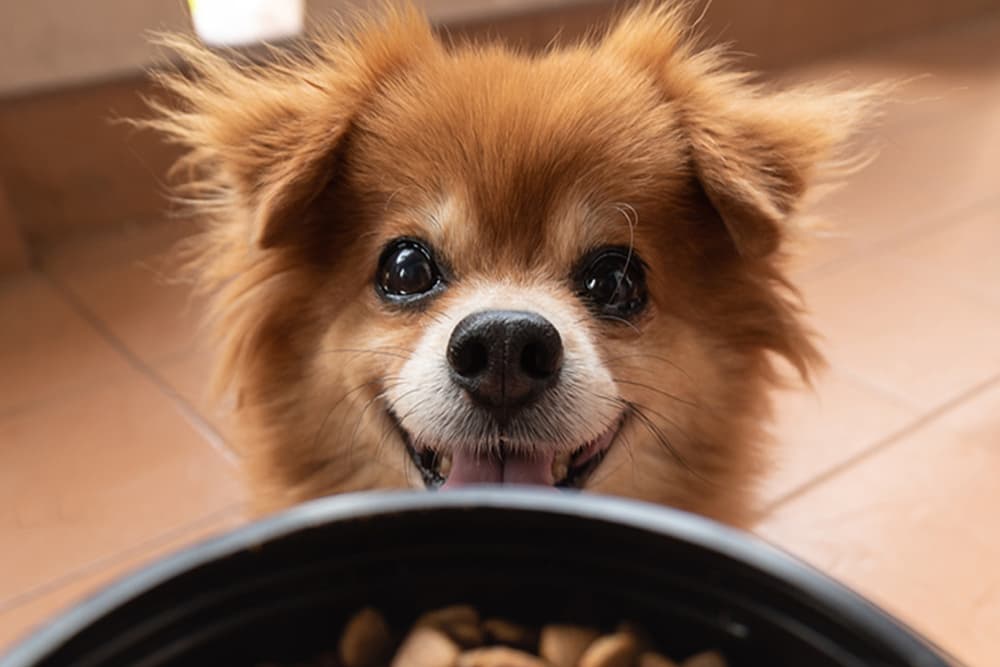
746,548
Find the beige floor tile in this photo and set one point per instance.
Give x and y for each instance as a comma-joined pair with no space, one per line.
115,245
904,331
99,472
937,144
189,376
140,297
18,620
914,527
818,430
46,348
923,177
964,253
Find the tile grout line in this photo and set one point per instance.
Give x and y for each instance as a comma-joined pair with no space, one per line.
190,414
908,235
901,400
52,585
878,446
73,387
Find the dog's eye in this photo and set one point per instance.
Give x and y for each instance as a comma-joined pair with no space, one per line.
407,270
613,282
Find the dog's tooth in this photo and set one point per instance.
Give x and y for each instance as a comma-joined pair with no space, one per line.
445,467
560,467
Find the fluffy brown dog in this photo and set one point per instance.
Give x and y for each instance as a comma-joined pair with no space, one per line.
465,264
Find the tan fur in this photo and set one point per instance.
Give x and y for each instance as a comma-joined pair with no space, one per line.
512,165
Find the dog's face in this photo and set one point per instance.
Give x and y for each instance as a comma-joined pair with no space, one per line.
451,266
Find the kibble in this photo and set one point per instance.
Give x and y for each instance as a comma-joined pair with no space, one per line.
366,640
706,659
426,647
456,636
499,656
500,631
460,622
618,650
648,659
563,645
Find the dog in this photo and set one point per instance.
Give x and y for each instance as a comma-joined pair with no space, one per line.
440,264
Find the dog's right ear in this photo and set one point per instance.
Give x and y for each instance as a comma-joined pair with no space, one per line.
262,140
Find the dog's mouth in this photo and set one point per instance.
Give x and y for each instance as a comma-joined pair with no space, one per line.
464,467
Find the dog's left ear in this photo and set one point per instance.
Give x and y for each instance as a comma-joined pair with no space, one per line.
755,153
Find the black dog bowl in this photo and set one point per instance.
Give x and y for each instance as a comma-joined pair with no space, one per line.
280,589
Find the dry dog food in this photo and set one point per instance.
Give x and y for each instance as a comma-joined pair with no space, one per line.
458,637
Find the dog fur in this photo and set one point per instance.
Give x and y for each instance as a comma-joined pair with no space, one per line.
512,165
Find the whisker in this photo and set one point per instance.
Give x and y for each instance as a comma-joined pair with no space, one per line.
627,445
375,458
632,221
609,318
388,429
654,357
435,317
620,320
657,391
657,432
626,407
662,416
390,381
659,435
386,351
391,406
417,406
361,415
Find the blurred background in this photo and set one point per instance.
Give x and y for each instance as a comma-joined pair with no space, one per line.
886,473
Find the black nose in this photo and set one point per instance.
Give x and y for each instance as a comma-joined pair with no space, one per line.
504,358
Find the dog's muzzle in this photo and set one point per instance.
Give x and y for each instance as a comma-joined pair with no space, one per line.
505,361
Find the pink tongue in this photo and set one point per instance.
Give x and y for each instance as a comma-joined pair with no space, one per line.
469,469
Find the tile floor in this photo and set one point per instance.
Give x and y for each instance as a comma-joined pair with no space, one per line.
109,457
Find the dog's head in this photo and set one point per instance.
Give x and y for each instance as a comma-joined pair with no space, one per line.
448,265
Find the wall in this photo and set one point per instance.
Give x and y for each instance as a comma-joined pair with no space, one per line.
52,43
